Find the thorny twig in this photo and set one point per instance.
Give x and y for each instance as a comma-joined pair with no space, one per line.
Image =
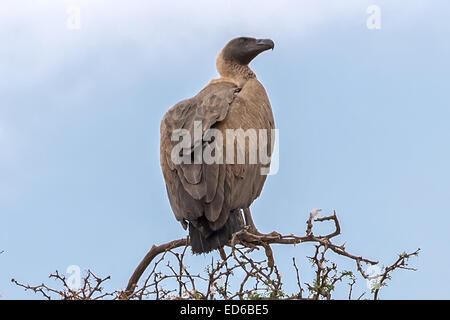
264,275
258,278
90,289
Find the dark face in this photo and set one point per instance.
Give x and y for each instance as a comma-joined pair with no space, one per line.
243,50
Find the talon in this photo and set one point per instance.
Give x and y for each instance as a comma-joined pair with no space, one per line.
275,234
255,232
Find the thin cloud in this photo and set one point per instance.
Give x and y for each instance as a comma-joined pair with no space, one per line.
39,42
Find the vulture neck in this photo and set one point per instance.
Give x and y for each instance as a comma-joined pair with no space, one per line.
238,73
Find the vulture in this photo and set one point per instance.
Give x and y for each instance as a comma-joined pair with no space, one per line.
207,197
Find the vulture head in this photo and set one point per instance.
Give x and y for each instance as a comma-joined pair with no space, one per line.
233,60
242,50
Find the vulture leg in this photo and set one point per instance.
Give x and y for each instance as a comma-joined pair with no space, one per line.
251,225
249,222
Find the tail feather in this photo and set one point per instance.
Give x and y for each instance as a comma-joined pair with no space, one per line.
217,239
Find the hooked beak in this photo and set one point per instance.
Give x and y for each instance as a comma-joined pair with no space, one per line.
265,44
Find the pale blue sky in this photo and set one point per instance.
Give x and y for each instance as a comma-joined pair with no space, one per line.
363,118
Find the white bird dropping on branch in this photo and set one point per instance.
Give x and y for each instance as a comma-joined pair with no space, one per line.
314,214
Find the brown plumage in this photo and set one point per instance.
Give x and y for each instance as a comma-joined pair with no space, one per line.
208,198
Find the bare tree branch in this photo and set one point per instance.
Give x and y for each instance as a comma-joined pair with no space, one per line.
168,276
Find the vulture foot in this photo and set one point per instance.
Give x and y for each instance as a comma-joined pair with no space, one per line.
251,228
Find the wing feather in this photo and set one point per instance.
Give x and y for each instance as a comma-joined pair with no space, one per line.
198,188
